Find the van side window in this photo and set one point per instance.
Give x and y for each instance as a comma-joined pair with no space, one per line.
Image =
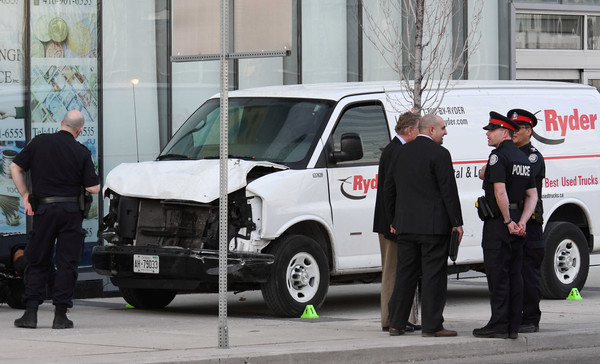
370,123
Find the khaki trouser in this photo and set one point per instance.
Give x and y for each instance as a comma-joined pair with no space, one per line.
389,259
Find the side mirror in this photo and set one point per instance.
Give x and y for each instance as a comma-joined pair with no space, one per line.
351,148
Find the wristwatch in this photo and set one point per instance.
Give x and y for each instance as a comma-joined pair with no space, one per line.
508,222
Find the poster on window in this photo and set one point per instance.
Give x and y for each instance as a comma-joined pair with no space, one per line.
12,111
64,73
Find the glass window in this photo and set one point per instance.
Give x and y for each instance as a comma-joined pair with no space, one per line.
370,123
268,129
593,32
549,31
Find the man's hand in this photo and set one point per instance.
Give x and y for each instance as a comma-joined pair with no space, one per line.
460,231
27,205
516,229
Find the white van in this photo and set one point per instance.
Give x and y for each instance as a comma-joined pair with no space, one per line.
302,184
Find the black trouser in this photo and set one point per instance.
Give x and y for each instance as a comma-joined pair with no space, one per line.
423,256
503,260
533,255
56,224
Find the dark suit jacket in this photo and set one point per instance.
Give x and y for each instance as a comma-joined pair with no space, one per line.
381,221
420,190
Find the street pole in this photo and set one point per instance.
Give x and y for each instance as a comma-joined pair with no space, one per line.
224,103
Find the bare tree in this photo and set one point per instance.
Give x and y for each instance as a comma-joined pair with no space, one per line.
425,42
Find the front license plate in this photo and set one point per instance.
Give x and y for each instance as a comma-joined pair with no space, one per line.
145,263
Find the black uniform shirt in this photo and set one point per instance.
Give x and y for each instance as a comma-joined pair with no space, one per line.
59,165
508,165
538,166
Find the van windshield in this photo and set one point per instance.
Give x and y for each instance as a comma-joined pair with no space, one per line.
267,129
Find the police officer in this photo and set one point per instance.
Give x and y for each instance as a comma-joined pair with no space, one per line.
511,196
59,168
533,252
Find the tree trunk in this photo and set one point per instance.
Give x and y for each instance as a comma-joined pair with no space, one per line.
418,56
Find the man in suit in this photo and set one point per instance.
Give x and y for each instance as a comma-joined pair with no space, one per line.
407,129
421,198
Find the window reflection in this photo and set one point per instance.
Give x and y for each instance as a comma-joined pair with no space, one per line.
548,31
593,36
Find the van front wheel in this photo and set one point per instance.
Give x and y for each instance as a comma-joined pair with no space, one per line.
299,276
147,299
566,261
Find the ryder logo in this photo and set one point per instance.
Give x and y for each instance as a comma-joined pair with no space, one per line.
566,122
357,187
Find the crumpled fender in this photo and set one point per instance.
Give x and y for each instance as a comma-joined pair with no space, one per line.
192,180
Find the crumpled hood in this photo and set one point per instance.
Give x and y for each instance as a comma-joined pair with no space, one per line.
179,180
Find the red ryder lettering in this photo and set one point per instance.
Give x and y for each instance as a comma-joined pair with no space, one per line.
554,122
364,184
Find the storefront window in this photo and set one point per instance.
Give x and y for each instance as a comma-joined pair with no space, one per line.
12,112
548,31
593,30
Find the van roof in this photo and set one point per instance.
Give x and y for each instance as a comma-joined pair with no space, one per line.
337,91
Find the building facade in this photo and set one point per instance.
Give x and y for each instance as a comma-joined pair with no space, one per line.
115,60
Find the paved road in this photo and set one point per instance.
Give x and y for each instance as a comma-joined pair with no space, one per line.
347,331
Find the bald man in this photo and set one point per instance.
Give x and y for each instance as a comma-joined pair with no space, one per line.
59,167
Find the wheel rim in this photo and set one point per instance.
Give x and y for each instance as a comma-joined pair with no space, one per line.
303,277
566,261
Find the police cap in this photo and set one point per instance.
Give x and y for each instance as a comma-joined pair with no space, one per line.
500,121
521,116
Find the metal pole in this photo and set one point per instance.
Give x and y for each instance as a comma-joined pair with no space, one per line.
223,329
134,82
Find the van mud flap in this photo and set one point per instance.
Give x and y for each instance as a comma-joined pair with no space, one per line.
176,268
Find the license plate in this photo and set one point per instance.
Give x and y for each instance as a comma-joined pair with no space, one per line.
145,263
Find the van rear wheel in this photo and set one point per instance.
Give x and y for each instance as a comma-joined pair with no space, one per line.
299,276
147,299
566,262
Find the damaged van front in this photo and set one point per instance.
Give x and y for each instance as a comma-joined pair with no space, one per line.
161,232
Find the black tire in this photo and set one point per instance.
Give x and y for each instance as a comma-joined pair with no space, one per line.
299,276
566,262
147,299
14,295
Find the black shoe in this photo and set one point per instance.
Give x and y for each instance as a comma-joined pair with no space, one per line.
61,321
414,327
28,320
385,328
528,328
485,332
513,335
396,332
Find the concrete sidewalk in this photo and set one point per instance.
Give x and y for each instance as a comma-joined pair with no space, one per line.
347,331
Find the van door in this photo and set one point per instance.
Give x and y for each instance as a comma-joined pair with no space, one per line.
353,186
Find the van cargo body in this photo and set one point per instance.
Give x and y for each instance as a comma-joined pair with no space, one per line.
302,180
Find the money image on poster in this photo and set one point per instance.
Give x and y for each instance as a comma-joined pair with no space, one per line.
64,74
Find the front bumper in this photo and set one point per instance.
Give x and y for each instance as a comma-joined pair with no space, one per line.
179,269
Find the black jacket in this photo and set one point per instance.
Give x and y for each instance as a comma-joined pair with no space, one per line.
381,221
421,196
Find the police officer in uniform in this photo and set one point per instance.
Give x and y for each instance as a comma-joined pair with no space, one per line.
509,201
533,252
59,168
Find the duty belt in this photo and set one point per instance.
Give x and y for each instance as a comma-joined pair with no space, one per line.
513,206
54,199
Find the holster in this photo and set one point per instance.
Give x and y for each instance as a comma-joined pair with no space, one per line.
33,201
484,210
85,202
538,213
